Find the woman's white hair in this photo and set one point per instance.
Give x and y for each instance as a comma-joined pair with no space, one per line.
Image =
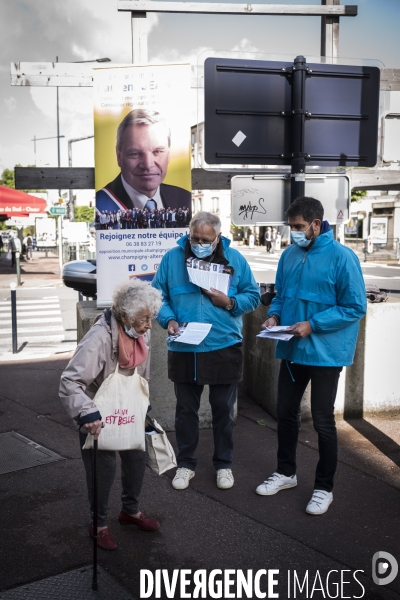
133,297
206,218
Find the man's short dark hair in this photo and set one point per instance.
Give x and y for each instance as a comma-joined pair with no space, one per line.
307,208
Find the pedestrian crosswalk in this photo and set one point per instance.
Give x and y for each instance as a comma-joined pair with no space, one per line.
39,326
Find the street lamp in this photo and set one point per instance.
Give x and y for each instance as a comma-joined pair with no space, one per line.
35,139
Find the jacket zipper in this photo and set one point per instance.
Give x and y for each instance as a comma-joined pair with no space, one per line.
202,317
300,274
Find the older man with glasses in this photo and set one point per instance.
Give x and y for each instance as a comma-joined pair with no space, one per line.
217,360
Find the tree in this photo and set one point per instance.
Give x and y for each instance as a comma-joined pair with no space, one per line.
357,195
8,179
83,214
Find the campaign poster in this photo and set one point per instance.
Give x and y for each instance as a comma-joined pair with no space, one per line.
46,235
142,169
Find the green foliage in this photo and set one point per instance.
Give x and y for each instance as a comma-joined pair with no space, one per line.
357,195
30,230
84,214
8,179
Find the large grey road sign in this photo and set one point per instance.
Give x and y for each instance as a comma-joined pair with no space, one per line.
260,113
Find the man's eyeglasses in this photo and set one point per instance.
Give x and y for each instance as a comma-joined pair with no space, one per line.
204,243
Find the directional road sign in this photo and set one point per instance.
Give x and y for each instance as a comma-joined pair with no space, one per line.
58,210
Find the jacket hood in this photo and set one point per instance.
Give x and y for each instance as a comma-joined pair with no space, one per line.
182,241
323,240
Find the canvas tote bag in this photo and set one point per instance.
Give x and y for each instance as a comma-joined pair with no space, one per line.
160,454
123,402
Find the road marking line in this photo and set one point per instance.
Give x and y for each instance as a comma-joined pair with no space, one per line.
31,330
41,339
51,320
30,311
29,301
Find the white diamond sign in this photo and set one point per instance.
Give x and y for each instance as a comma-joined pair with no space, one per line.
239,138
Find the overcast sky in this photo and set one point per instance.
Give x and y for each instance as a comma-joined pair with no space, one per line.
40,30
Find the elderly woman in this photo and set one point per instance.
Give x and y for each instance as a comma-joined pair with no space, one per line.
120,334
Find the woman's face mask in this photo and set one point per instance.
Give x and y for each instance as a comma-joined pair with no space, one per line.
131,332
299,238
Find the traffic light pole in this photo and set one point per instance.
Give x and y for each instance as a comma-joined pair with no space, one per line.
298,162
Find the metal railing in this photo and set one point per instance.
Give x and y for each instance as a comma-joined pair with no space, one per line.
71,252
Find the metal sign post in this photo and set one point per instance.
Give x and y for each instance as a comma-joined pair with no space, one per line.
298,162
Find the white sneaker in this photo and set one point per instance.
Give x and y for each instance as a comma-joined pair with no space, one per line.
275,483
225,479
182,478
319,502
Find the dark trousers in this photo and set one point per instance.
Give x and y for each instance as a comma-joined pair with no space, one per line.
293,380
133,464
222,401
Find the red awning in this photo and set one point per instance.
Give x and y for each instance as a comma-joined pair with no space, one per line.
14,203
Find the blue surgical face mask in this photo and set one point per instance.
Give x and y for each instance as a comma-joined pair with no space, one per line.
299,238
202,250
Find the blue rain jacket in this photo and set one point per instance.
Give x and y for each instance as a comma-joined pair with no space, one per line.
184,302
324,286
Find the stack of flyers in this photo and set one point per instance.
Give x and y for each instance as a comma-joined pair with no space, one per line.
172,338
276,333
191,333
209,275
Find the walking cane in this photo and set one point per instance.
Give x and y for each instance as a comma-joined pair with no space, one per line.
95,586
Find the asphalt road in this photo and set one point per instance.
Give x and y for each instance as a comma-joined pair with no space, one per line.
264,268
46,321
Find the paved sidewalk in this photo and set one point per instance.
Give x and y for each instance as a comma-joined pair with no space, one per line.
44,509
37,272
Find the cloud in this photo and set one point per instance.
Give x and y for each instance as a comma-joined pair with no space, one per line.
10,103
245,45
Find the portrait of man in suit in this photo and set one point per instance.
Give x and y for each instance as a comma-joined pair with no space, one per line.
143,153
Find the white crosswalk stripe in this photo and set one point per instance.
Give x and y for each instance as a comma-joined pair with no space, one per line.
24,309
31,302
39,325
5,319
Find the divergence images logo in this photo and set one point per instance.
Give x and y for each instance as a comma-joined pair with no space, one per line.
132,267
156,266
385,564
144,267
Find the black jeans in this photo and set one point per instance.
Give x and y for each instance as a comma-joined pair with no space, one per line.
133,465
293,380
222,400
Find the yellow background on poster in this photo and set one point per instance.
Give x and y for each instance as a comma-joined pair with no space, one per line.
118,90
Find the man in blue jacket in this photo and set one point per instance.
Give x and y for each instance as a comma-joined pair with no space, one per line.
320,294
217,361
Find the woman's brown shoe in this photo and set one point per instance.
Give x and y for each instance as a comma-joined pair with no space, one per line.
104,538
